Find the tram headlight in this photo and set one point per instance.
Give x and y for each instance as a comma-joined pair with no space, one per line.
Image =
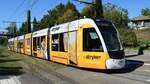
115,63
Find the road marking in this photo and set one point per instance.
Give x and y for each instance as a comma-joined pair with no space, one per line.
148,80
147,64
4,81
16,79
10,80
146,70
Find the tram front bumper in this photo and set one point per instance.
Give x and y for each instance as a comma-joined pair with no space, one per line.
115,63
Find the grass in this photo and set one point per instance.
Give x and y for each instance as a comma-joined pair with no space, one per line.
12,63
8,64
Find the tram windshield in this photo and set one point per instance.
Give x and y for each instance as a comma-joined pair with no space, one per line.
110,36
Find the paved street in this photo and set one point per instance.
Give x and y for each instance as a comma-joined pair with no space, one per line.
137,71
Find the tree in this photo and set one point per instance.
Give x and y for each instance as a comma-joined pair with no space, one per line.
20,31
24,28
35,25
117,15
12,29
60,14
145,12
70,14
88,12
3,41
52,17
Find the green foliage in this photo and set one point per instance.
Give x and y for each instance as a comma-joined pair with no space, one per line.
88,12
128,37
68,16
67,12
60,14
3,41
143,36
93,11
35,25
117,15
23,29
145,12
12,29
143,42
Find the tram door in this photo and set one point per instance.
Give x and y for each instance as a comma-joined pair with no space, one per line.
73,47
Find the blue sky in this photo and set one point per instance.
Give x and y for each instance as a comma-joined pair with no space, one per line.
15,10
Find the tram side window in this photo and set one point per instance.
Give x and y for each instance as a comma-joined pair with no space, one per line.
43,43
21,44
43,39
59,42
38,43
34,44
55,42
91,41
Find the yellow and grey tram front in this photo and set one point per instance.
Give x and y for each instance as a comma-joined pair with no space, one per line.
111,44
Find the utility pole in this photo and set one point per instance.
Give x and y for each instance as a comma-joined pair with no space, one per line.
29,21
97,7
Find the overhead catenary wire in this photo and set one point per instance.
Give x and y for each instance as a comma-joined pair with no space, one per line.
17,8
33,4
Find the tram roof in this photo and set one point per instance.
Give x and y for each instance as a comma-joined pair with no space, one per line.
71,26
21,37
11,39
39,33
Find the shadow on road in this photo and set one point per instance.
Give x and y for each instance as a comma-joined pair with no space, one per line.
9,66
134,55
6,71
9,60
130,66
3,56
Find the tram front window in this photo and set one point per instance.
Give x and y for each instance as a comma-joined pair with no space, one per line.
91,41
110,37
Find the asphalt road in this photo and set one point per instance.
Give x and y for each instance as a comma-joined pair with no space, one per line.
137,71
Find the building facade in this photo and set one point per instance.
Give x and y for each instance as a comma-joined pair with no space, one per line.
140,22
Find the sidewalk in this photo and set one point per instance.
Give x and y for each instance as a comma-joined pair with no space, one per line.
133,54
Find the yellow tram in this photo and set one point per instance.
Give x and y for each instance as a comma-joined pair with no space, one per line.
11,44
28,44
84,43
20,43
16,44
39,43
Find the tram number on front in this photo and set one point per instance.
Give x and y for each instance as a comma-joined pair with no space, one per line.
92,57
